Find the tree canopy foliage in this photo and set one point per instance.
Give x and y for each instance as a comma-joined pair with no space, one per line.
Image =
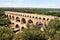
4,21
5,33
54,12
32,34
53,29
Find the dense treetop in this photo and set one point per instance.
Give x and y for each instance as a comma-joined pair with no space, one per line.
5,33
54,12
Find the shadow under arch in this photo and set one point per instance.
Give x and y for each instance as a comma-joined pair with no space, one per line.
23,21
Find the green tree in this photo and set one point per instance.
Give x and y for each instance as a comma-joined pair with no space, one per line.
53,29
6,33
33,34
4,22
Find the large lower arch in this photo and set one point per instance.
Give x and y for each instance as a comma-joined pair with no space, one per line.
30,24
23,21
9,16
17,26
39,24
30,21
17,19
22,28
12,17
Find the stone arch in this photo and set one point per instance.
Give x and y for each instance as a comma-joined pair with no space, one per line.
23,20
12,17
43,18
17,26
30,16
41,26
27,15
17,19
22,28
47,19
33,17
39,23
36,23
36,17
39,17
7,15
30,21
23,15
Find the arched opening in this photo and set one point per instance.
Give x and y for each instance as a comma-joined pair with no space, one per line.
12,17
17,26
17,19
33,16
23,15
27,15
36,17
39,24
16,29
30,16
30,21
39,17
11,25
23,21
47,19
22,28
30,24
6,15
9,16
43,18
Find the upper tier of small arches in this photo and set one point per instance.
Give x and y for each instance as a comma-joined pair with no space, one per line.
29,16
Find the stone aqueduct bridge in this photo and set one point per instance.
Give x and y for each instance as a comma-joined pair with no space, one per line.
19,20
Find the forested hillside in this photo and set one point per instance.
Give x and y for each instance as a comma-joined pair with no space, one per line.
45,11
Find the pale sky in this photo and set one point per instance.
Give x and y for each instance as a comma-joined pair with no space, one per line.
30,3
